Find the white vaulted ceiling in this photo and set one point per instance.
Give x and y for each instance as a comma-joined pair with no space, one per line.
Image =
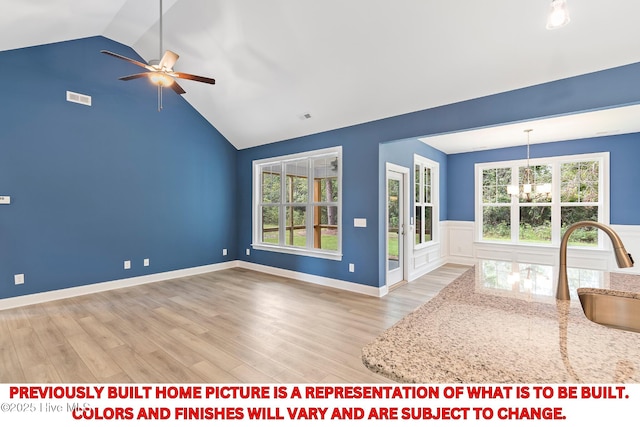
343,62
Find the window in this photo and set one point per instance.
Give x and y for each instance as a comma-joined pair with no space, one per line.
535,203
425,200
579,199
297,203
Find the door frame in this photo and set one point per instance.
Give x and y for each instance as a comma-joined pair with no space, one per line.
405,225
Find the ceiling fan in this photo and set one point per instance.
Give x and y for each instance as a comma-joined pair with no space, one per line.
160,72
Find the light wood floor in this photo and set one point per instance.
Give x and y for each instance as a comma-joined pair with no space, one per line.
231,326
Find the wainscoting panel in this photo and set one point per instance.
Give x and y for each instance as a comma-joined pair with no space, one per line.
463,249
460,236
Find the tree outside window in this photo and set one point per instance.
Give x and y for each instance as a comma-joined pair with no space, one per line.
298,203
552,194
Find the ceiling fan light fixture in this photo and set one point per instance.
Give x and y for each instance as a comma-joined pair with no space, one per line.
558,14
160,72
161,79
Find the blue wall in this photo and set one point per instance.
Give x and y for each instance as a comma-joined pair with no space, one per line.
624,173
93,186
401,153
359,200
363,160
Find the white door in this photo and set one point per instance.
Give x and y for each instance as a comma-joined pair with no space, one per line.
395,218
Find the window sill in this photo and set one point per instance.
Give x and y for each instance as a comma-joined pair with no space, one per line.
298,251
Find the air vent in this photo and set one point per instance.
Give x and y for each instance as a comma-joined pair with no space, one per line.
78,98
304,116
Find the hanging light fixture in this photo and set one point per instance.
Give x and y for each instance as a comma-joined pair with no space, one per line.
558,14
528,179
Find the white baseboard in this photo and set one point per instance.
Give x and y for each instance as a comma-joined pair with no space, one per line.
318,280
75,291
42,297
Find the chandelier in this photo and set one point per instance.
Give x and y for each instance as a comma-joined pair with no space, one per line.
529,188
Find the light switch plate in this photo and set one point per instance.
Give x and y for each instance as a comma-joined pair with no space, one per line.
360,222
5,200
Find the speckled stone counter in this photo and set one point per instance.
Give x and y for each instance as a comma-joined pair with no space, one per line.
481,330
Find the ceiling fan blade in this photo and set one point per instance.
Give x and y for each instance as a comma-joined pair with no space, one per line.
133,61
134,76
168,60
177,88
201,79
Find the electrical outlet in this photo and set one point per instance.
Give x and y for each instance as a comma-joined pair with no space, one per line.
352,268
18,279
146,262
224,252
248,252
127,264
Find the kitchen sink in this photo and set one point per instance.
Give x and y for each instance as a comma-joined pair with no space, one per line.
617,309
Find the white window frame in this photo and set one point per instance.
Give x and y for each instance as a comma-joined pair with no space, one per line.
556,205
309,250
424,162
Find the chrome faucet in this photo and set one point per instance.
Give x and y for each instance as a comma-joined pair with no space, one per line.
623,258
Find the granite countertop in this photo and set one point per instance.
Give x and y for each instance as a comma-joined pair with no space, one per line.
489,326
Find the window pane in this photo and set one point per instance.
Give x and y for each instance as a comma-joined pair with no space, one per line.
325,220
496,223
535,224
325,172
488,177
270,222
579,182
296,230
494,185
418,225
393,225
584,236
427,185
271,184
428,224
532,180
488,185
329,189
503,176
417,184
489,194
297,182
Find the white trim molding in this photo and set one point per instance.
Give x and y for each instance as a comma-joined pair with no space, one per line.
41,297
457,246
459,236
316,280
461,248
424,260
75,291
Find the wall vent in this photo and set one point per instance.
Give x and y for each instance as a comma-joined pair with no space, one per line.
78,98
